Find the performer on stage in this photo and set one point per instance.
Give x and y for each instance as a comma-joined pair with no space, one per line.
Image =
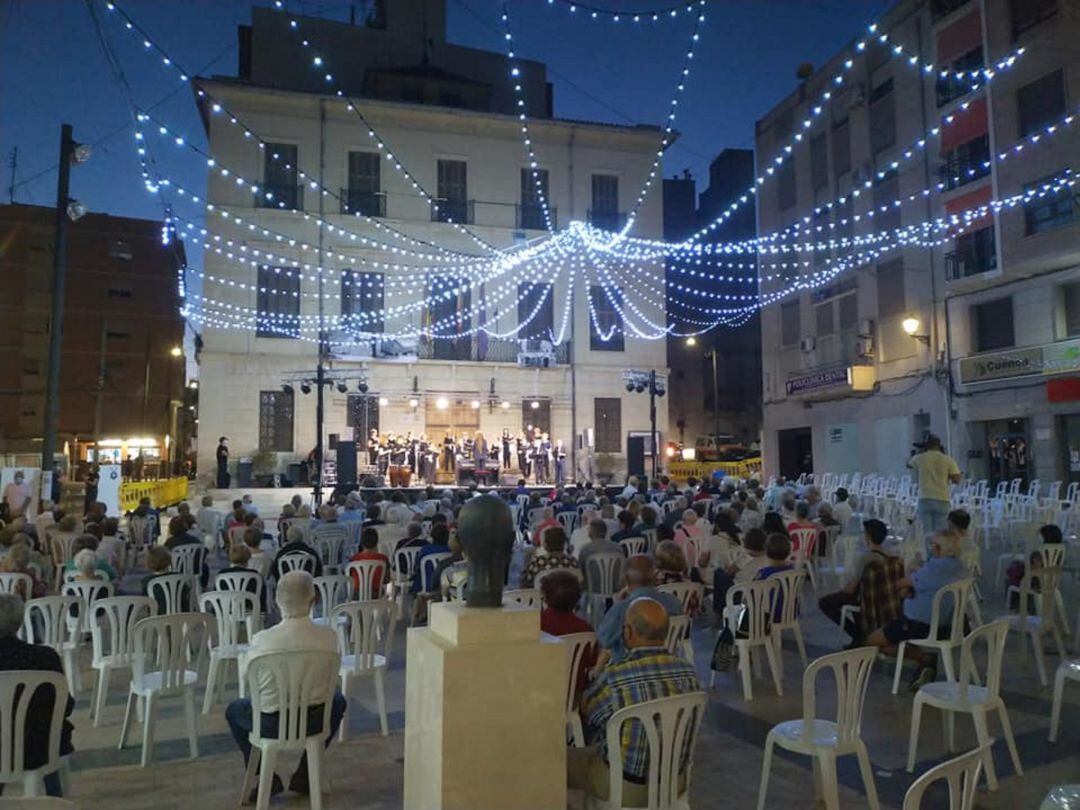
524,453
560,463
480,450
429,458
449,452
506,441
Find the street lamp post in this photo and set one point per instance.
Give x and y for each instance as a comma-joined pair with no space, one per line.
639,382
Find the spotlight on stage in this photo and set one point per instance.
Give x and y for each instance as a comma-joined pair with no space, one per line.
535,405
639,388
630,387
414,402
475,404
305,387
442,403
362,386
342,386
288,389
660,392
383,402
504,405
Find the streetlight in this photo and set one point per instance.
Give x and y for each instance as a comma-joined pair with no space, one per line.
691,341
176,351
911,325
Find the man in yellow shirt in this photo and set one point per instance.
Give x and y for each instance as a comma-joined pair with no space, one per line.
936,471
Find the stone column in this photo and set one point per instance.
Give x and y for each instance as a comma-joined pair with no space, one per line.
485,712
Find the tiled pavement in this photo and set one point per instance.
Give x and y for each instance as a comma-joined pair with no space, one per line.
367,770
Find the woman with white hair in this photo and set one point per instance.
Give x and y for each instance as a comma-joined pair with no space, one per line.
18,655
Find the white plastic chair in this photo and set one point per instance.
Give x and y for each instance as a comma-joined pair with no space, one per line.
671,726
634,545
359,627
527,597
331,590
1037,616
963,696
46,622
962,774
689,594
232,610
296,561
1069,670
171,588
330,539
87,592
62,547
428,566
166,660
650,539
805,556
568,520
112,624
404,567
187,559
1052,555
602,573
242,581
300,680
17,688
789,585
18,584
578,646
958,592
362,573
678,638
825,740
754,600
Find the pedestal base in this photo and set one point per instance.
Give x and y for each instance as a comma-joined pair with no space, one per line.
485,712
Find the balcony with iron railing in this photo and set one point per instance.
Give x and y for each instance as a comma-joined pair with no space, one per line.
364,203
530,217
975,254
950,86
607,220
462,212
940,9
482,349
966,163
280,195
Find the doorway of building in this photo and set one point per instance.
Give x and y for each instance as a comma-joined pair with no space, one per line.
1008,451
796,451
1070,431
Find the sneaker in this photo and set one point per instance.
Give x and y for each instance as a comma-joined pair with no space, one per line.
276,787
926,675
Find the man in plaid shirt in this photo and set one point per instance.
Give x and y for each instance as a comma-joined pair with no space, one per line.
647,672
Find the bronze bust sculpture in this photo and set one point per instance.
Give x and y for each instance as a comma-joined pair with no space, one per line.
486,532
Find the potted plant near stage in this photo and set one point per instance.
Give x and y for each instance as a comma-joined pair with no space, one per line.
604,467
264,467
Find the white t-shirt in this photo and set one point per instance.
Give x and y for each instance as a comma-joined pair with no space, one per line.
843,512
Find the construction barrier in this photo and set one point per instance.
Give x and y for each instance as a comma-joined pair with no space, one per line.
682,470
162,493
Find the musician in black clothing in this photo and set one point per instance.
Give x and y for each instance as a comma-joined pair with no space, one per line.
506,449
449,452
523,454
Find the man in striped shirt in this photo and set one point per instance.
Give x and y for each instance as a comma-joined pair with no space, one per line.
647,672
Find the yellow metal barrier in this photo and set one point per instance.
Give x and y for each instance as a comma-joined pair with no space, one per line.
682,470
161,493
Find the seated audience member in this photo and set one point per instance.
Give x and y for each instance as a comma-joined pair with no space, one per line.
112,545
440,544
639,582
295,633
555,556
647,520
670,564
744,566
856,591
777,552
90,543
842,510
352,511
374,517
207,518
158,560
580,538
825,515
239,557
802,520
598,543
646,672
295,545
773,523
454,577
751,517
180,535
413,537
369,545
626,527
17,561
547,521
398,513
259,560
16,654
943,568
562,592
236,518
957,523
1049,534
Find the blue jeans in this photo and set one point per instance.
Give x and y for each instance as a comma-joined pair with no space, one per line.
238,716
933,514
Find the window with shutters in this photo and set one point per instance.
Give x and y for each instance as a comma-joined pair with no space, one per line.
1070,294
826,323
992,325
364,194
276,421
819,160
280,188
1029,13
841,147
604,210
882,116
278,305
790,328
534,194
535,310
453,192
891,291
605,323
1051,209
1042,102
362,296
608,419
886,193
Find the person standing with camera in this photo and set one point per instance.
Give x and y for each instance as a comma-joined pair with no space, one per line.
936,471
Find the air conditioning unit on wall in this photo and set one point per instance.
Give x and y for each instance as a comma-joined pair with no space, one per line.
864,347
807,344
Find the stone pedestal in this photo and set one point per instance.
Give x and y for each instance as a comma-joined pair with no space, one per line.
485,712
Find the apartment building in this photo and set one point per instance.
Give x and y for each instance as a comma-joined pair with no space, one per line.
121,366
970,339
449,116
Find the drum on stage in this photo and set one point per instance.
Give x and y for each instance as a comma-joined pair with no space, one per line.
400,475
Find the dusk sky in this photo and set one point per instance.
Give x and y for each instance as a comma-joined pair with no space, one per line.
603,71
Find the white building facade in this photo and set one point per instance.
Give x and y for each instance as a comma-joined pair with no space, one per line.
562,372
989,365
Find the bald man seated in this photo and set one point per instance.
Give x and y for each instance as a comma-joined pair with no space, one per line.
646,672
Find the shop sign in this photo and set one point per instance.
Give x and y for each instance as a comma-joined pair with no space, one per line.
1062,357
827,378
